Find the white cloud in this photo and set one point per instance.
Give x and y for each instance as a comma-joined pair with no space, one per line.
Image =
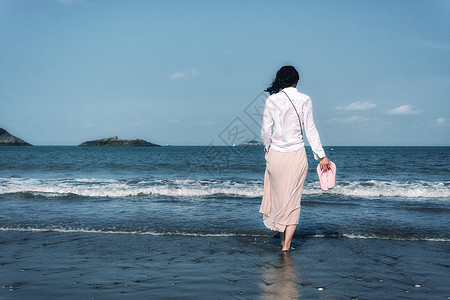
405,110
181,75
441,121
194,72
212,123
348,120
177,75
437,45
357,106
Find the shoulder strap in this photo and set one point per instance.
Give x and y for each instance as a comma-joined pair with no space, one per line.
299,120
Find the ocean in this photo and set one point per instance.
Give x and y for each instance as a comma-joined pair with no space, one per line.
380,192
387,195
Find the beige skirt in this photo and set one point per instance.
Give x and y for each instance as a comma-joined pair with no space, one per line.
283,187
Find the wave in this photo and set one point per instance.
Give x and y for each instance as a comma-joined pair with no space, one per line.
132,232
122,188
215,234
112,188
412,239
377,188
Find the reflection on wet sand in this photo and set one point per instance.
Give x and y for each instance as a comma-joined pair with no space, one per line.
279,278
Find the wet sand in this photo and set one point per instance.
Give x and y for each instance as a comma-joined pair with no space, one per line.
54,265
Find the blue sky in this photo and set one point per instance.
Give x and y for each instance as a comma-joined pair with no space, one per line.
192,72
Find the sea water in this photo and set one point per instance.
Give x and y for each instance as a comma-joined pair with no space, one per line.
389,193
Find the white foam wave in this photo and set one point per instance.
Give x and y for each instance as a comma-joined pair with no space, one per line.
206,234
412,239
116,189
94,187
131,232
376,188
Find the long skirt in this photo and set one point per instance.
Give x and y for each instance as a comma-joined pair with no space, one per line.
283,186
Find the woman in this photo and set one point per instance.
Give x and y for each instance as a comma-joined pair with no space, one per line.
282,133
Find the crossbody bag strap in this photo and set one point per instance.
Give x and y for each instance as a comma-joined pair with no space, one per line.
299,120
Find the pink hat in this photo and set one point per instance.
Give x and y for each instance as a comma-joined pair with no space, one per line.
327,178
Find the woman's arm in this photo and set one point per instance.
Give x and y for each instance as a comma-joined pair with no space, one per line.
266,127
312,134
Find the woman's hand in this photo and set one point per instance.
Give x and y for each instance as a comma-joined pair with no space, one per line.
325,163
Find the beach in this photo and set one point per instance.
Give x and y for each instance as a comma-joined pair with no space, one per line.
53,265
183,223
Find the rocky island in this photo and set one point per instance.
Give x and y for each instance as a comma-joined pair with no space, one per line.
7,139
115,141
251,143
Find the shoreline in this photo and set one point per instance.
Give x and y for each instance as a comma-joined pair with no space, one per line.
229,146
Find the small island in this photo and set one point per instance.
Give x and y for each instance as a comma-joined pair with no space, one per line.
115,141
6,139
251,143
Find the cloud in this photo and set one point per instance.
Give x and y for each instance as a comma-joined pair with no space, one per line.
348,120
436,45
213,123
405,110
181,75
440,122
357,106
177,75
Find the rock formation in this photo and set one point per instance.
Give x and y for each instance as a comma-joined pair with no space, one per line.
7,139
114,141
251,143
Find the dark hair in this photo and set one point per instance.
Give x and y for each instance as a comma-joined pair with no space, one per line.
286,76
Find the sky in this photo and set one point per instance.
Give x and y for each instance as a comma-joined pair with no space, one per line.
194,72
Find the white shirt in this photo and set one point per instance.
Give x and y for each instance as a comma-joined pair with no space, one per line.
280,125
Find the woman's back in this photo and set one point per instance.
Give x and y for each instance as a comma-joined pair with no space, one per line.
287,133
